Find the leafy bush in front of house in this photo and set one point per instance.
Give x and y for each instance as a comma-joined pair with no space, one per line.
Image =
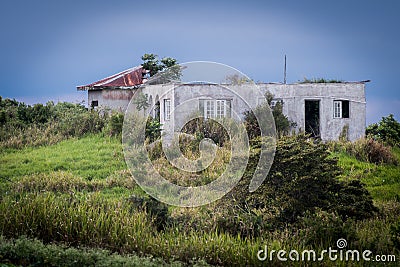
206,128
282,124
153,129
386,130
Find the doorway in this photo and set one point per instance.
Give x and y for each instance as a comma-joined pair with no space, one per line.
312,118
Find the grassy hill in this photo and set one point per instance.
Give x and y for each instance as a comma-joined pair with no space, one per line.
78,193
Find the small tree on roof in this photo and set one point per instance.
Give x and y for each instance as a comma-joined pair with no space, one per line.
152,63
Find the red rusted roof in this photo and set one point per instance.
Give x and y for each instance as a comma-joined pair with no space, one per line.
127,78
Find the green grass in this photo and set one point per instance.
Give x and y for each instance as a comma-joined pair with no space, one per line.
92,157
23,250
382,181
76,192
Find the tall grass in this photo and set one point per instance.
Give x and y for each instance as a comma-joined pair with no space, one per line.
23,251
92,157
77,192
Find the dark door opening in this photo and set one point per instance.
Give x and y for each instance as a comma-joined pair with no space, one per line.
312,118
157,111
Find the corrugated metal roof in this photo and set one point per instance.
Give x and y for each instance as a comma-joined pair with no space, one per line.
128,78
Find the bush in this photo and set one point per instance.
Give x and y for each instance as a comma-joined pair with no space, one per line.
206,128
303,178
370,150
323,229
282,124
23,125
387,131
153,129
115,124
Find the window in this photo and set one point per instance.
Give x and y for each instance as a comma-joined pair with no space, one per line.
219,108
95,103
345,109
167,109
209,111
341,109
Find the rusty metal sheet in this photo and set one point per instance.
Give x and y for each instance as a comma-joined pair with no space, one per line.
127,78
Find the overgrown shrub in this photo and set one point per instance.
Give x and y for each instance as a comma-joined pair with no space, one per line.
386,130
370,150
153,129
206,128
323,229
302,178
24,125
282,124
115,123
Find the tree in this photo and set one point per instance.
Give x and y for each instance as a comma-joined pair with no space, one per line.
387,131
152,63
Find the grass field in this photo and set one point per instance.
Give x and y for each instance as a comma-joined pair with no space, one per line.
76,194
382,181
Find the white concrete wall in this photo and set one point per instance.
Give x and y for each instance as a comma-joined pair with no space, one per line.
293,96
111,99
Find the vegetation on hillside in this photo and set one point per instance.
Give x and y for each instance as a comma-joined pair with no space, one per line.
387,130
23,125
73,197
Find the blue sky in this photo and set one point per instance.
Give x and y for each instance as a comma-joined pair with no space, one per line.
49,47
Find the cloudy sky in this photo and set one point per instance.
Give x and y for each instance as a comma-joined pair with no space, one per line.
49,47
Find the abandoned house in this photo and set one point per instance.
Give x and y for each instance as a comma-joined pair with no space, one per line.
325,110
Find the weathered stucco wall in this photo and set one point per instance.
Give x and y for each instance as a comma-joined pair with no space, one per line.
111,98
292,95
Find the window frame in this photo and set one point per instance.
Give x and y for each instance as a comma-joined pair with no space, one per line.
215,108
220,108
338,107
167,109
